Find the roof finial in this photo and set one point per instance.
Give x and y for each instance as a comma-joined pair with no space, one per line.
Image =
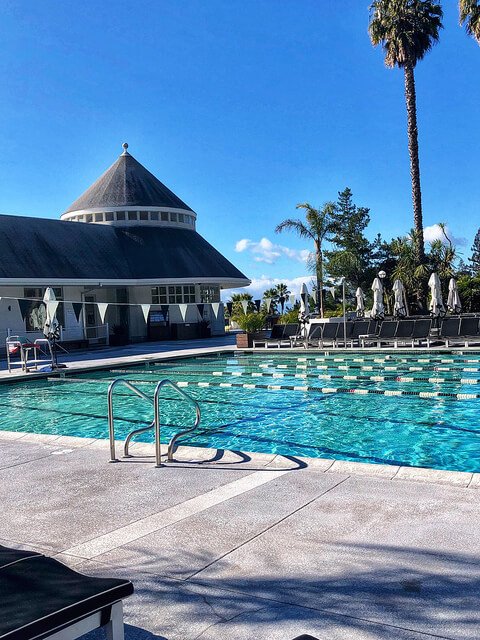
125,147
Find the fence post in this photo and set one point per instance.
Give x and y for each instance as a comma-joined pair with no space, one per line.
61,333
9,332
107,337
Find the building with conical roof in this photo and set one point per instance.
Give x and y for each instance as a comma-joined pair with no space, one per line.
127,242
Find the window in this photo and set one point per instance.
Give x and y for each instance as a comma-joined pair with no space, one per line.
88,217
109,216
99,217
173,217
143,215
159,295
164,216
209,293
189,293
132,215
153,215
36,313
120,215
175,295
181,217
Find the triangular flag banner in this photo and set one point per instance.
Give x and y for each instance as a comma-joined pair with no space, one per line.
145,310
24,307
164,310
244,306
229,307
77,309
216,308
268,302
183,310
292,299
332,291
51,307
258,304
102,310
200,308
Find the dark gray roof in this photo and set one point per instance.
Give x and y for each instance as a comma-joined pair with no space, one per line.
127,184
36,248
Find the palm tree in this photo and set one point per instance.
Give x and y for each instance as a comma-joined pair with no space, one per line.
282,294
407,30
470,17
318,225
273,295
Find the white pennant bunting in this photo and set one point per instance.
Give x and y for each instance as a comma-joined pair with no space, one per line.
314,295
215,308
268,302
245,306
292,299
102,310
145,310
183,310
332,291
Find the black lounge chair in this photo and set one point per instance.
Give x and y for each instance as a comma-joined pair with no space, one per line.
449,329
312,338
386,333
421,331
404,332
275,336
344,333
468,330
289,332
360,328
42,598
329,333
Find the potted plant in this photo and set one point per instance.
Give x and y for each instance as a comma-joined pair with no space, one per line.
251,325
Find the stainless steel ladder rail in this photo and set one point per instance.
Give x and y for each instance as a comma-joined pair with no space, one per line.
111,430
156,422
156,419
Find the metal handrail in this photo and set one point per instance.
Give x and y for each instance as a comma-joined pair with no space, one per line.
113,457
156,419
156,422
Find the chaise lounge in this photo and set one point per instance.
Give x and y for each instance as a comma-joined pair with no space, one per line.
42,598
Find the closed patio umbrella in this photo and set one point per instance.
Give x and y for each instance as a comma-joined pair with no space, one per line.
359,295
304,310
399,307
453,303
436,304
378,309
51,328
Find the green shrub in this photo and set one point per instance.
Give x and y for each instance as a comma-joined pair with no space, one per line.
250,322
290,317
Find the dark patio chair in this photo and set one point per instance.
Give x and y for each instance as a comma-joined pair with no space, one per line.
468,331
290,331
449,329
404,332
313,336
421,331
360,328
344,333
329,334
42,598
275,336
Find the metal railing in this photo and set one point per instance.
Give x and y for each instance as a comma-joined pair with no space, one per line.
156,421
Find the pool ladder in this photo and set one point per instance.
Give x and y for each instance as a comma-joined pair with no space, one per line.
156,419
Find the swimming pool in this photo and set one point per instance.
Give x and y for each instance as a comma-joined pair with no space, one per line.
397,408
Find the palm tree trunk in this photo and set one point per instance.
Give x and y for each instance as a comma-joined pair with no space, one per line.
320,279
411,100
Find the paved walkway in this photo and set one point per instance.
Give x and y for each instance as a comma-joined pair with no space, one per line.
243,548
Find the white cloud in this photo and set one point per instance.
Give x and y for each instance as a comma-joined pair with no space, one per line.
267,251
259,285
434,232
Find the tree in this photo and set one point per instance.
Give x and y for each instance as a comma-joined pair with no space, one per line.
316,228
282,294
407,30
237,303
470,17
351,253
273,295
475,257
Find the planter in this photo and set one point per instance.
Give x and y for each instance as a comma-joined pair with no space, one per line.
245,340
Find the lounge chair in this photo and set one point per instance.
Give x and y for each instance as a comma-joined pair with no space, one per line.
421,331
344,333
449,330
275,336
289,332
360,328
404,332
468,330
312,338
329,334
386,333
42,598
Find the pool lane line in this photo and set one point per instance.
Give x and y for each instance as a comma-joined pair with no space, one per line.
324,390
327,376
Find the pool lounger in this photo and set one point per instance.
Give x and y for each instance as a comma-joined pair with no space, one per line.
42,598
279,337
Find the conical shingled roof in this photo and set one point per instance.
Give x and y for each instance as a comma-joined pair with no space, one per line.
127,184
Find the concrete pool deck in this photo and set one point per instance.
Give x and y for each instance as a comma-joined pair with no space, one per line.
250,547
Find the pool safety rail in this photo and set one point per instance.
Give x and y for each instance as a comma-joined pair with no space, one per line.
156,420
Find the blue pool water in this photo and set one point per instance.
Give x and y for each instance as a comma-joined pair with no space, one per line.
439,432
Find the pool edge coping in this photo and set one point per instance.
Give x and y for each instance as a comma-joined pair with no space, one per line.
268,461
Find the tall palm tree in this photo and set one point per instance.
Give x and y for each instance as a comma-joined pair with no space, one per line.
282,294
407,30
318,224
470,17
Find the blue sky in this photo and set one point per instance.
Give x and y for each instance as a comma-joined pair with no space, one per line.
243,109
